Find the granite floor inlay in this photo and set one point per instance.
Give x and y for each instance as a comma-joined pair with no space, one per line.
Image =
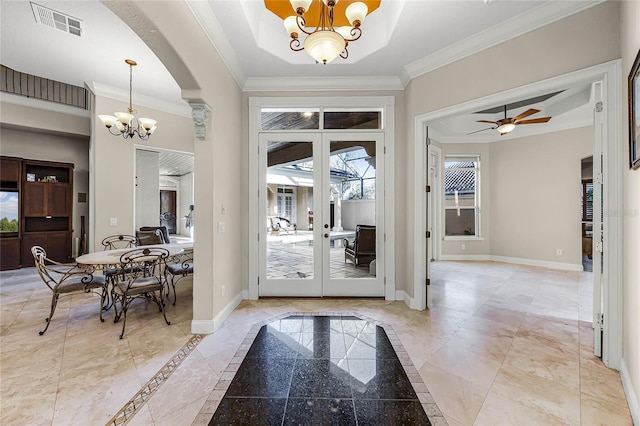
327,368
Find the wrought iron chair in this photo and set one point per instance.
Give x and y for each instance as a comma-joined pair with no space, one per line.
163,231
114,242
179,271
62,278
143,279
363,248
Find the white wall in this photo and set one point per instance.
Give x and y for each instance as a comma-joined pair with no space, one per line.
358,212
630,46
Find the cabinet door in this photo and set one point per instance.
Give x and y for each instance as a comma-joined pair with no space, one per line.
9,253
58,199
56,244
28,241
35,199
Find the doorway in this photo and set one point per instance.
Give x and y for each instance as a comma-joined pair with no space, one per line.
168,210
336,179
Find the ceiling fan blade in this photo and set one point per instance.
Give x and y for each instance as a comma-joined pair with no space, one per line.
487,121
527,113
534,120
478,131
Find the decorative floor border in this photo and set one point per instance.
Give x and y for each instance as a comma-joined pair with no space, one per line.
424,396
130,409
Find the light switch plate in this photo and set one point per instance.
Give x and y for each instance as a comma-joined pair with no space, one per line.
113,221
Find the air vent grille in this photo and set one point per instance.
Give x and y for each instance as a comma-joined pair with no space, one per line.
54,19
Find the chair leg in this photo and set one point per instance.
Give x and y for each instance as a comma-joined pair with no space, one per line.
54,303
164,310
173,284
124,319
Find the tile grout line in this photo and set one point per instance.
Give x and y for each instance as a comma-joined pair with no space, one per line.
425,398
133,406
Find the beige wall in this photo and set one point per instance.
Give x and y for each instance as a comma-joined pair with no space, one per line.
535,202
114,165
579,41
41,145
60,120
630,45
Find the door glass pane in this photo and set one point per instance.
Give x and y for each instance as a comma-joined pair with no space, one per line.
289,118
353,120
289,210
352,208
460,222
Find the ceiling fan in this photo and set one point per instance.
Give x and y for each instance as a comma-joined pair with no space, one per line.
507,124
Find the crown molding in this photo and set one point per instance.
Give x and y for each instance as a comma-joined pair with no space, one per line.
106,91
538,17
316,84
212,28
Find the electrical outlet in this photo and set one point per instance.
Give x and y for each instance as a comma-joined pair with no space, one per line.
559,252
222,290
113,221
463,247
221,227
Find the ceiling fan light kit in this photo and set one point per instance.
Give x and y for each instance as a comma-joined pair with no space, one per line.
326,42
126,124
508,124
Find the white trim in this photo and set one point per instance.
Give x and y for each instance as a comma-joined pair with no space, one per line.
404,296
209,326
610,74
103,90
516,260
10,98
212,28
629,391
316,84
530,20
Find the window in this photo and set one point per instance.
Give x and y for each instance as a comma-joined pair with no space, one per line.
461,201
587,200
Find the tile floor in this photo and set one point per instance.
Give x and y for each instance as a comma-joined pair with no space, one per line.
502,345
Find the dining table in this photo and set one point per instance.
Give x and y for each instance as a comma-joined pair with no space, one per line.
110,259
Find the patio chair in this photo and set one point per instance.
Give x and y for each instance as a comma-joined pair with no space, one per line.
179,271
278,224
114,242
143,280
64,279
363,249
150,237
163,230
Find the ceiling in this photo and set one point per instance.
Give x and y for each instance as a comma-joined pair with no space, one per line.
401,40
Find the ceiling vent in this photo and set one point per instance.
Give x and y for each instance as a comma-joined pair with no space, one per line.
59,20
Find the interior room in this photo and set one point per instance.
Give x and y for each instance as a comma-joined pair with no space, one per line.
416,213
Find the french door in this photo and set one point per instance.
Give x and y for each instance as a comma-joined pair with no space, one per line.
334,184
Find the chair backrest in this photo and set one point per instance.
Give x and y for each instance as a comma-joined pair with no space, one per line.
365,239
147,259
119,242
146,238
50,276
164,232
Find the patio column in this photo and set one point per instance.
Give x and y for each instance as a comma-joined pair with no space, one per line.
337,210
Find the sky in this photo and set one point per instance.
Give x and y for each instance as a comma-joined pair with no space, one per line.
9,205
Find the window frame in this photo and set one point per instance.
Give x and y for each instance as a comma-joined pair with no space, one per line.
476,159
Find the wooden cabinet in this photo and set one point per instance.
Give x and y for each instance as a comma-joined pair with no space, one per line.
10,172
47,207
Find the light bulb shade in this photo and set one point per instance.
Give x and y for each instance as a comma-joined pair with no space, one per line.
506,128
151,130
345,32
327,2
146,123
107,120
124,117
324,45
119,126
356,12
291,25
300,4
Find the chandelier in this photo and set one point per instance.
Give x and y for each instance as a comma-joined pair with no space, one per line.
325,42
126,124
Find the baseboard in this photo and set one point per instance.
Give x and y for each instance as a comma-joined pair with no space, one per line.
632,396
515,260
209,326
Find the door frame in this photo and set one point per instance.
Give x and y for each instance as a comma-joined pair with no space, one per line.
609,74
387,105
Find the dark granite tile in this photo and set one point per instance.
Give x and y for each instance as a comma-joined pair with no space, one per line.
322,345
389,412
262,377
319,412
388,380
272,344
249,411
319,378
